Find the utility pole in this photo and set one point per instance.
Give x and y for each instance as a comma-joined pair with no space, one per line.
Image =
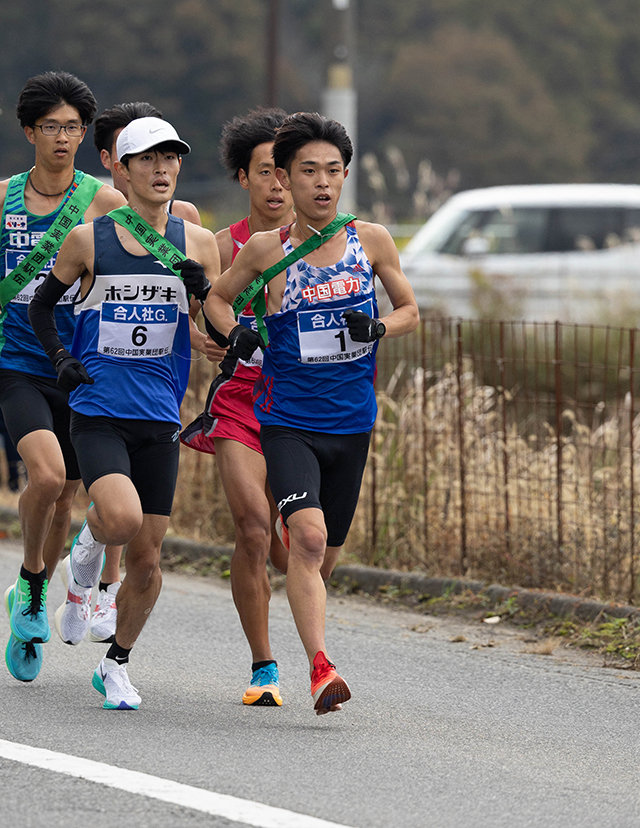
339,100
271,54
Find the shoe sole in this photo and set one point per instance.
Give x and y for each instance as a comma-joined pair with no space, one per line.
335,692
57,618
98,684
109,640
267,699
9,598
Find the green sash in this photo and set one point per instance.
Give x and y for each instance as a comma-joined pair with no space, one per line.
254,292
71,212
165,251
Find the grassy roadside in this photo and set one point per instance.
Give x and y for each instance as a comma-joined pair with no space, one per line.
615,639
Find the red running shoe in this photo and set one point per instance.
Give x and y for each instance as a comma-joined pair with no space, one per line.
327,687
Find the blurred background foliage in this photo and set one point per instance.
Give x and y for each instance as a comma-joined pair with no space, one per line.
451,93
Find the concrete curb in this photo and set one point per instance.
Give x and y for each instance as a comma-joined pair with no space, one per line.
373,581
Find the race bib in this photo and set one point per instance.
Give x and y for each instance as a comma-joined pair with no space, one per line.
13,258
136,331
324,337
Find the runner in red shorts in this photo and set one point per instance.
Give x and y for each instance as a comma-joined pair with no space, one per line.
228,427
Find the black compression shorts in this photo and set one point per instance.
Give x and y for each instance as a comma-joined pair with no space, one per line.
318,470
30,403
145,451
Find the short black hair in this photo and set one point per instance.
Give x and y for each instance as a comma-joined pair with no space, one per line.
44,92
117,117
302,128
242,134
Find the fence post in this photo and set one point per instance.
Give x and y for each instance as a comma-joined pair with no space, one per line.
558,412
632,516
505,452
425,431
461,458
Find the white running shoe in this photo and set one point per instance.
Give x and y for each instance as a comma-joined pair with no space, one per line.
73,616
111,679
105,615
87,557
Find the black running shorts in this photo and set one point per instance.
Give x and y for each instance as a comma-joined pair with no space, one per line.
314,469
145,451
30,403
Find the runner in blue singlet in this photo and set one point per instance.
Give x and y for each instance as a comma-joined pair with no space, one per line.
316,403
132,335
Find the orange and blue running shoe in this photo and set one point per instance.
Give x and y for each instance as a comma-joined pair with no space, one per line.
263,690
327,687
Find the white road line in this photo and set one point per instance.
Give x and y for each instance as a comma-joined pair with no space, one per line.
209,802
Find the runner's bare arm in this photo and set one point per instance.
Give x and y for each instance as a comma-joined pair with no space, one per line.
187,211
383,256
75,257
107,198
201,246
260,252
225,246
201,341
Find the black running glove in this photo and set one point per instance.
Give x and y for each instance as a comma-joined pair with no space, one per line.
244,341
362,328
71,372
194,278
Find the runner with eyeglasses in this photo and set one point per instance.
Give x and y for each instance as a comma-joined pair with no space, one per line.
39,207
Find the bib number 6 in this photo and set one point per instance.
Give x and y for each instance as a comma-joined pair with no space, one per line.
139,335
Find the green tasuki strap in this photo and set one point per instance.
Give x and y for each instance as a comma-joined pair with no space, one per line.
254,292
71,212
165,251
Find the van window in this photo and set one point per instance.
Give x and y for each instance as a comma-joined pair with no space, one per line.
585,228
631,225
505,230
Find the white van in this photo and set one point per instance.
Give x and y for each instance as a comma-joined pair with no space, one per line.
541,252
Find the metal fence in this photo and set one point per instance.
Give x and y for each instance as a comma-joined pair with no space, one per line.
502,451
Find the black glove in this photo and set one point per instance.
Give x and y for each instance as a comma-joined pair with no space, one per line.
244,341
194,278
71,372
362,328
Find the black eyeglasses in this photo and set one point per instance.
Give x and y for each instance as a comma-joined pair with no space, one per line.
72,130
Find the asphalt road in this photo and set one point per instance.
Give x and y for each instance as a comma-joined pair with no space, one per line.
452,723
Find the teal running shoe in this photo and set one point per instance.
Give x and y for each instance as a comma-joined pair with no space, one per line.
263,690
23,658
26,604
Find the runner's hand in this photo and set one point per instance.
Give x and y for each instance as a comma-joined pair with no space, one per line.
71,372
194,278
362,328
244,341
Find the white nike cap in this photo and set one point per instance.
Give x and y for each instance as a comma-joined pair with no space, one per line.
145,133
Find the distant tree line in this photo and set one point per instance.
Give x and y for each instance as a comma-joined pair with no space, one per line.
452,93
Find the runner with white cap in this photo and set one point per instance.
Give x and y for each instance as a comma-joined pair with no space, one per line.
128,370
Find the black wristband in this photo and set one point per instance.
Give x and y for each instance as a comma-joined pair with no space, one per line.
214,333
